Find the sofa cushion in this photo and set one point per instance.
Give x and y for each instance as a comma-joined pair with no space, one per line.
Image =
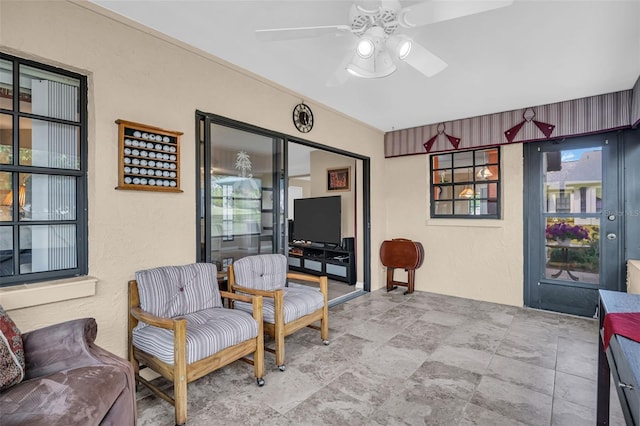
172,291
11,352
77,396
261,272
298,302
208,332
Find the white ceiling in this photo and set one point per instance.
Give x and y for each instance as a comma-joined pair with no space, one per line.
527,54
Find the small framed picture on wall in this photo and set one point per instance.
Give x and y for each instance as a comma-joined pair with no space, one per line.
339,179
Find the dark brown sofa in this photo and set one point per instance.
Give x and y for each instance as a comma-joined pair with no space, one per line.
70,381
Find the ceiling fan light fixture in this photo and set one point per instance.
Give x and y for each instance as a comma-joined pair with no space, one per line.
400,46
404,49
365,48
376,66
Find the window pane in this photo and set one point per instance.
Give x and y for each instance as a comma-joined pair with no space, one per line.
442,161
49,94
486,173
6,84
443,192
462,191
483,207
462,159
573,181
463,175
47,248
463,207
442,176
6,139
444,207
486,156
573,249
48,197
6,250
47,144
487,190
6,197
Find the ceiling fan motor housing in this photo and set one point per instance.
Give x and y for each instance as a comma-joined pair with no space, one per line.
384,16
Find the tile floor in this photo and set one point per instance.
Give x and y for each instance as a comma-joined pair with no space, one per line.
420,359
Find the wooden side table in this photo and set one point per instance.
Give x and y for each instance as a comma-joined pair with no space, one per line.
621,361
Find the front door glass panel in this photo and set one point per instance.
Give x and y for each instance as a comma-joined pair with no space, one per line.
572,198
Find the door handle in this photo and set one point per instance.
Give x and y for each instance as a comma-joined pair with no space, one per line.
611,236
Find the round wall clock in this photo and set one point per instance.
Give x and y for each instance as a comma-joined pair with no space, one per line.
303,118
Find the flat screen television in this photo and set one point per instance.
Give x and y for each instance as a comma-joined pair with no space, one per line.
317,220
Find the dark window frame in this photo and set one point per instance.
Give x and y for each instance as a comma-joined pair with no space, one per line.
472,181
80,175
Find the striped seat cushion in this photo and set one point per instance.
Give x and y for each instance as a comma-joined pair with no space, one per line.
261,272
208,332
298,302
172,291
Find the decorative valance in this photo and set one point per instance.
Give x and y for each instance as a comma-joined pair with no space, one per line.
594,114
635,105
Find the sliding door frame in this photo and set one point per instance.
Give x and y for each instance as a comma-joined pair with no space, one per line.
203,121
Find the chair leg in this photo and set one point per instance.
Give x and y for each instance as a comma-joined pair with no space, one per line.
258,355
324,326
180,372
278,302
180,400
324,322
279,338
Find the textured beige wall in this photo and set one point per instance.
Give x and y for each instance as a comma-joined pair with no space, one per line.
477,259
633,276
138,75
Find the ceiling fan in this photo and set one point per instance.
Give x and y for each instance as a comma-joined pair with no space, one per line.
380,44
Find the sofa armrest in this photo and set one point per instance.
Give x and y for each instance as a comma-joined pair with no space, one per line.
61,346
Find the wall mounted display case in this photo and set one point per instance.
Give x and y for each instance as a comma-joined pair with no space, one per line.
148,158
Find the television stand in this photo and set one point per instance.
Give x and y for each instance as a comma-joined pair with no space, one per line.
318,259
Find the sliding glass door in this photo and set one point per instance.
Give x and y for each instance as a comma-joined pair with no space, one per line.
240,190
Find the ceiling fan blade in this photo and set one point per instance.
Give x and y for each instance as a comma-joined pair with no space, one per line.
424,61
278,34
442,10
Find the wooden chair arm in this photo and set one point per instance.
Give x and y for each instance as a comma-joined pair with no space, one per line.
146,317
303,277
235,296
320,280
256,292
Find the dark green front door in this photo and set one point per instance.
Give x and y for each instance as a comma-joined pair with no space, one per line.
573,235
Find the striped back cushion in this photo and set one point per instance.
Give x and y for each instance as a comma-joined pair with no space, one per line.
171,291
261,272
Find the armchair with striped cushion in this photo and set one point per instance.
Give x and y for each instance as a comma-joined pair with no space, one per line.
286,309
179,328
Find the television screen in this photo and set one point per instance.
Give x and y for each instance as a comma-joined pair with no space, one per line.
317,219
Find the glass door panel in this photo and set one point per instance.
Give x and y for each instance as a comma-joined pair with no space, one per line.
572,204
238,196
